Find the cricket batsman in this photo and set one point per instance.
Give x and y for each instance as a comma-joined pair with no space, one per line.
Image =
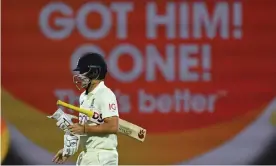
97,140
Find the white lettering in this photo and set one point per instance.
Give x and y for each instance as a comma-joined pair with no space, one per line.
66,25
122,9
180,101
193,20
164,103
146,102
123,101
219,21
184,58
130,50
186,62
106,20
184,21
155,60
154,20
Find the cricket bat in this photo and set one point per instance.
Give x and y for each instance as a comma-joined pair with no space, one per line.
125,127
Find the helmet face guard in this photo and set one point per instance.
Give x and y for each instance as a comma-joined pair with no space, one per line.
83,79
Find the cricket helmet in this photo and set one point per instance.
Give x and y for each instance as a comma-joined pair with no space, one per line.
91,66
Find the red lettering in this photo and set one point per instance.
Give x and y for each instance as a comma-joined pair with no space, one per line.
112,107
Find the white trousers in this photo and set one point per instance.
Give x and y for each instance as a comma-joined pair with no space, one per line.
103,157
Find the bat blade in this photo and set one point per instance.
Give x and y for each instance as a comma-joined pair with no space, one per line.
132,130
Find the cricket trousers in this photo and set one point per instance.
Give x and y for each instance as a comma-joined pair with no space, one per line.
98,157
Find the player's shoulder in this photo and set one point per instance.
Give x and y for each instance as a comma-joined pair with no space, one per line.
82,95
106,92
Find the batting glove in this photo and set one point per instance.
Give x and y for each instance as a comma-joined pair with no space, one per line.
63,120
71,144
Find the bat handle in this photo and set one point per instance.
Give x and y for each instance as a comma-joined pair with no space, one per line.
59,102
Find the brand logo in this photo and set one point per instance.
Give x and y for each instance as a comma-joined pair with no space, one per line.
141,134
96,118
112,107
125,130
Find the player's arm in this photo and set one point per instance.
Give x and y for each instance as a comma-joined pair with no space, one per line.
110,126
110,115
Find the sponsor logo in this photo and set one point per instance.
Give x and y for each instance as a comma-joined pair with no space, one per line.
141,134
125,130
96,118
112,107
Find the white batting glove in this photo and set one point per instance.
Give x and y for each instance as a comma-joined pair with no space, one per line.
71,144
63,120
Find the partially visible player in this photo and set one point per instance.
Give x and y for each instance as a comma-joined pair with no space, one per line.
98,142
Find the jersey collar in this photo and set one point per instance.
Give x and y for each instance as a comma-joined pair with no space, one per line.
99,86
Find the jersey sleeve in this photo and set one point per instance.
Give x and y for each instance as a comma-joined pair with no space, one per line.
109,105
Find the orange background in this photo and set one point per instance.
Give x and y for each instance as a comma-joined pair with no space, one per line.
33,66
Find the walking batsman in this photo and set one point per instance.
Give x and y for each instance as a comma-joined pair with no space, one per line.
98,141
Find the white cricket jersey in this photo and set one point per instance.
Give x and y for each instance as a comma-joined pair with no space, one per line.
103,101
